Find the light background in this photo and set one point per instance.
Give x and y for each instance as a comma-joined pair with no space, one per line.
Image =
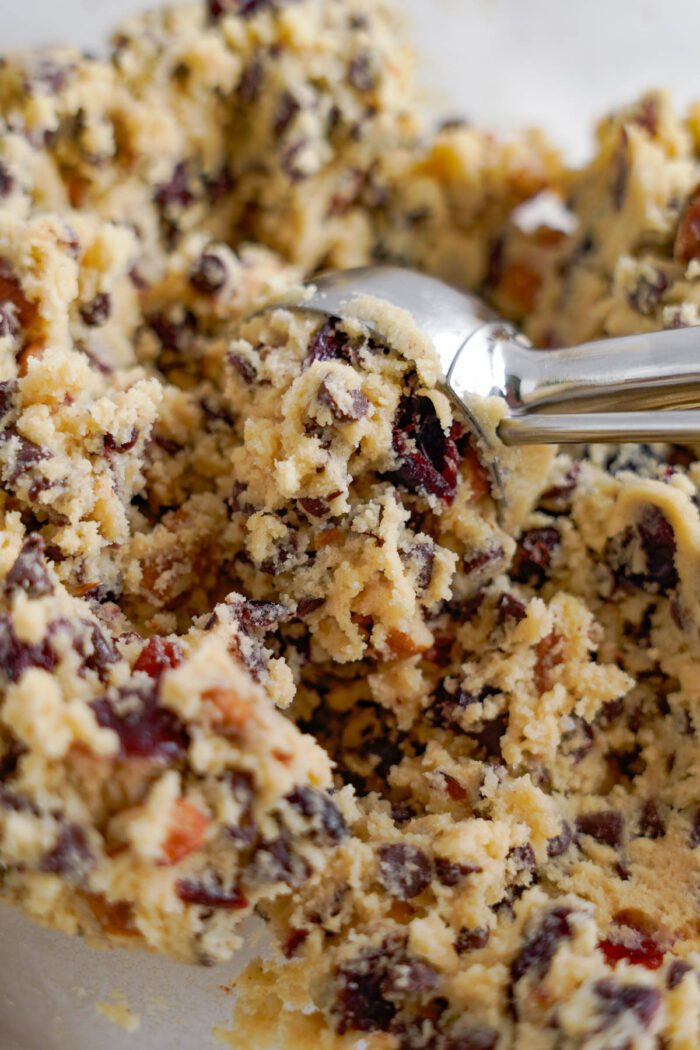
505,62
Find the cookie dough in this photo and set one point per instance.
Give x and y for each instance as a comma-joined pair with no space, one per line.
265,642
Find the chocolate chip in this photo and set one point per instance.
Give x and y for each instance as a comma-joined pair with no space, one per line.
98,311
29,572
651,824
211,893
245,368
510,608
71,856
605,826
7,182
287,109
328,823
472,940
541,945
676,972
209,274
428,458
561,842
361,72
616,999
144,728
404,870
16,657
451,874
346,406
329,344
533,557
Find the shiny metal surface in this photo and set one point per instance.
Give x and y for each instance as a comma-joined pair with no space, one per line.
636,388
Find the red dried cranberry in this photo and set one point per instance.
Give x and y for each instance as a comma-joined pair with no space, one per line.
404,870
328,823
428,458
145,729
157,656
472,940
294,942
29,573
211,894
71,856
605,826
617,999
533,557
315,507
541,946
209,274
644,952
97,312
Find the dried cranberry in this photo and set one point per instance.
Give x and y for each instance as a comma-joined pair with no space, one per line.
428,458
27,454
174,335
95,649
510,608
643,952
533,557
8,395
561,842
676,972
329,344
605,826
617,999
157,656
404,870
209,274
211,894
345,406
71,856
16,657
541,946
242,786
29,573
97,312
472,940
294,942
327,821
145,729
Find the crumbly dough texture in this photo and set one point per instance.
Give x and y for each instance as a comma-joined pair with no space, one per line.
265,642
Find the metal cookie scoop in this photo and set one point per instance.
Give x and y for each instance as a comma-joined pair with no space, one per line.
612,390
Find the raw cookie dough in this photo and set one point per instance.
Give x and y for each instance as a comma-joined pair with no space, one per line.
265,642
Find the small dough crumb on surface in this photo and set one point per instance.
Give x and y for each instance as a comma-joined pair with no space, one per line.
266,644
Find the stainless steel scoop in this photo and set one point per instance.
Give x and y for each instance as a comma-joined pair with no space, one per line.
629,389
